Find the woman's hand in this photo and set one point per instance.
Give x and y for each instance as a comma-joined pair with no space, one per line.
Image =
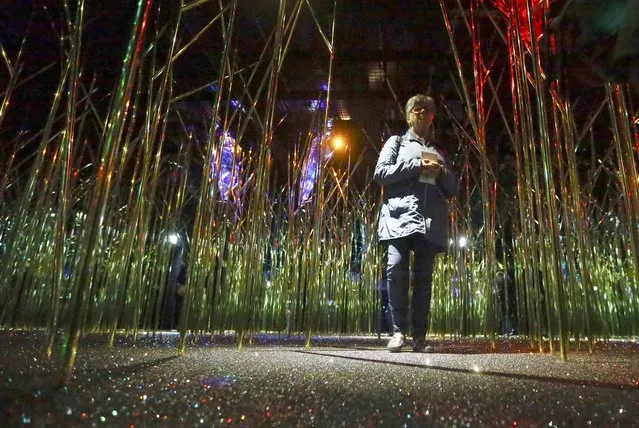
432,167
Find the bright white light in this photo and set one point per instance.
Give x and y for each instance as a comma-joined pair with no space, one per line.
451,241
173,238
463,242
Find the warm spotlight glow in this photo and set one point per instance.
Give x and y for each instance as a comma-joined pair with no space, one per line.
338,143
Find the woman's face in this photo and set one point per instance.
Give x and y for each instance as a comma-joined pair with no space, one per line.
421,119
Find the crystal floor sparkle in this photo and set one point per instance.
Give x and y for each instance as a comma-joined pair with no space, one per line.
339,381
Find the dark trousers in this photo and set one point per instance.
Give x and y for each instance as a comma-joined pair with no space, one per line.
397,273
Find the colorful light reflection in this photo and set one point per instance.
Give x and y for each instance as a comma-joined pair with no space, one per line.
228,177
519,9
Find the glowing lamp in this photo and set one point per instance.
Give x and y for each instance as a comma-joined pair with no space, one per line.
338,143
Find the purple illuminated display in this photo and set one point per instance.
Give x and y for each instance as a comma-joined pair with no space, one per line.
229,174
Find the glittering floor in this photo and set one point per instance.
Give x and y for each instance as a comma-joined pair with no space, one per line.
348,381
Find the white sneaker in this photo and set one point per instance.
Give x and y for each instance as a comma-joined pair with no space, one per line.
396,342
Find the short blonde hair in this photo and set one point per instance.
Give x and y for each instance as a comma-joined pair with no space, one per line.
420,100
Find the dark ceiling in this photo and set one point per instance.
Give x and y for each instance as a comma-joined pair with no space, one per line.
383,49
